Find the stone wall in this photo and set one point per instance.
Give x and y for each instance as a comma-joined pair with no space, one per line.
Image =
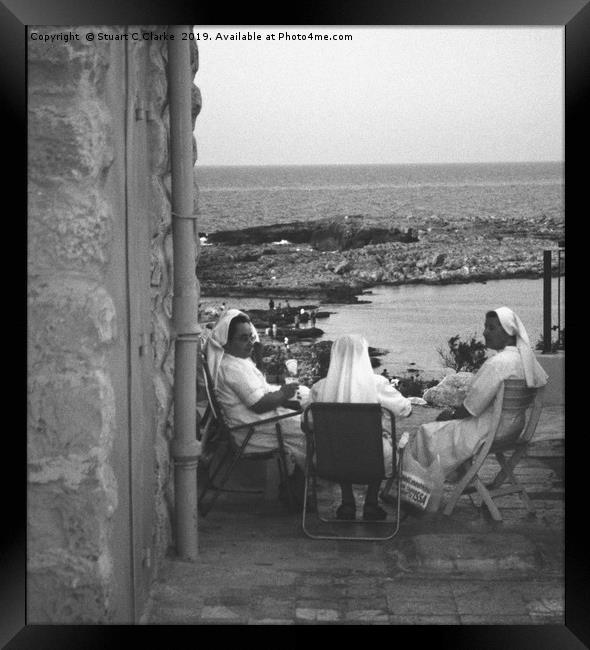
77,325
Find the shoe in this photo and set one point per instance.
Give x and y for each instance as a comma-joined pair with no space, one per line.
373,512
346,512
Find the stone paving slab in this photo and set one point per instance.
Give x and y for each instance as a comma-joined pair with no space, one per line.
424,619
256,567
427,597
474,553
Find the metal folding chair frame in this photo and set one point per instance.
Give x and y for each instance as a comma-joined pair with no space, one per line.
311,475
517,398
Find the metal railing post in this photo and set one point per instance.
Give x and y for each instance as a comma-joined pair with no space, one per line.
559,296
546,302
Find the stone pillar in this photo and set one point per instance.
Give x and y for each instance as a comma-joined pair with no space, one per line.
79,568
73,325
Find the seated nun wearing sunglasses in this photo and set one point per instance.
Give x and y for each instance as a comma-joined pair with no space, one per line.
246,397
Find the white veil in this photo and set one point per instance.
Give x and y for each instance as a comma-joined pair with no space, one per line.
534,374
214,345
350,376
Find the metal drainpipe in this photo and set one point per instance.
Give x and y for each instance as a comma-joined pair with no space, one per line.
185,447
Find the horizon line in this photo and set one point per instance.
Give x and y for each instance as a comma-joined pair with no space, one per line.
361,164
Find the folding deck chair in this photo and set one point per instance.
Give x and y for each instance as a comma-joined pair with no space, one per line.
518,398
219,449
344,445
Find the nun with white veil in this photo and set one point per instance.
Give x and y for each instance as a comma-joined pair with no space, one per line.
245,395
458,435
351,379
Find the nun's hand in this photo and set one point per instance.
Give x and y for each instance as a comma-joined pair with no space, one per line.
289,390
447,414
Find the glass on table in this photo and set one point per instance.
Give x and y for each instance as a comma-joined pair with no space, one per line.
291,376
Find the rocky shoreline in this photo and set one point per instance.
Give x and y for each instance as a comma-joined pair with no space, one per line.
336,260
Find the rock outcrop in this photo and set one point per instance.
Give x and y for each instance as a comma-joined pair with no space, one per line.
342,257
339,233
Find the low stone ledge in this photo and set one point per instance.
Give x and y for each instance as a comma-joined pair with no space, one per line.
554,366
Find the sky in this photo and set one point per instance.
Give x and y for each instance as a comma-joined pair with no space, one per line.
389,95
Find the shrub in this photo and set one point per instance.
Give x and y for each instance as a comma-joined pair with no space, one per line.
463,356
413,385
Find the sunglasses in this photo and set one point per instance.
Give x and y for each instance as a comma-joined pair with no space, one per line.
245,337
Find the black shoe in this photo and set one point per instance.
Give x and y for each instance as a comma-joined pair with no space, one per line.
346,512
373,512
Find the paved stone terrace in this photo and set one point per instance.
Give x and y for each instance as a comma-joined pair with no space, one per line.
257,567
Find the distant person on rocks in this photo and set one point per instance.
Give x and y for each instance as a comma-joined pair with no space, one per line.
271,304
296,320
457,433
245,396
312,317
287,305
351,378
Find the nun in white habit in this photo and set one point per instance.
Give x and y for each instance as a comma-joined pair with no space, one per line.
243,392
351,379
456,439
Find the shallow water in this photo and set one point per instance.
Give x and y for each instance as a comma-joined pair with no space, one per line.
412,321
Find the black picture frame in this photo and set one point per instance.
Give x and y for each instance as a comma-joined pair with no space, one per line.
574,15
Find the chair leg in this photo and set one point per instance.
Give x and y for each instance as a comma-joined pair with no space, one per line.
527,501
508,466
271,481
387,488
458,491
305,495
487,499
284,467
211,484
501,475
204,510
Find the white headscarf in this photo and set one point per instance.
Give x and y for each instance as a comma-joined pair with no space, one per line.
350,376
534,374
214,350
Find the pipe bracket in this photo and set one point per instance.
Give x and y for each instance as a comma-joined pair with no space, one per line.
186,461
192,217
189,338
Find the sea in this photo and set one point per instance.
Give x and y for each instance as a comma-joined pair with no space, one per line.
411,322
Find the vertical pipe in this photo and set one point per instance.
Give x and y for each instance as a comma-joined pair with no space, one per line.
185,447
546,302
